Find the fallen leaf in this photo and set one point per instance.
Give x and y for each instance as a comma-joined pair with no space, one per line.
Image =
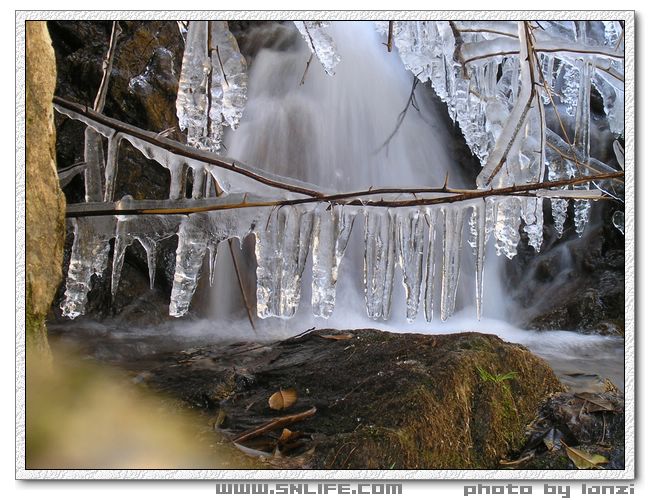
288,436
282,399
597,402
584,460
338,336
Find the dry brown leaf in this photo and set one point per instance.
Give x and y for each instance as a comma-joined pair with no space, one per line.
597,403
282,399
584,460
338,336
288,436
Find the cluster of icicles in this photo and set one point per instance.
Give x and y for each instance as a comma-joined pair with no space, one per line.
426,242
486,95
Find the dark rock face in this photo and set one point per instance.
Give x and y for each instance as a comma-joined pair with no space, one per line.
382,400
574,283
141,91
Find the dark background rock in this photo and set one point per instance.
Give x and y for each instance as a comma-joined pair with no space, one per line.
574,283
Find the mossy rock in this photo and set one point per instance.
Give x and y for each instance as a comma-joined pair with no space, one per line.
383,400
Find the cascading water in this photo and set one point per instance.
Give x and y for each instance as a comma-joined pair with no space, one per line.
352,130
331,131
341,132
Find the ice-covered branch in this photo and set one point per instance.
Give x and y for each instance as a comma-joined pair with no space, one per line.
320,43
173,154
357,198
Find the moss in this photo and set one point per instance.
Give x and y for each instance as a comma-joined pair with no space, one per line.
225,389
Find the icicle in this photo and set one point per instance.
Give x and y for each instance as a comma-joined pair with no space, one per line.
379,262
582,208
320,43
454,219
431,217
110,174
89,256
213,253
178,172
281,248
506,226
149,231
229,78
477,241
410,230
192,98
94,158
533,215
512,129
613,102
296,252
199,178
192,244
332,228
570,88
558,168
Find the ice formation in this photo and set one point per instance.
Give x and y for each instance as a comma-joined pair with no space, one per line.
486,72
502,82
320,43
212,84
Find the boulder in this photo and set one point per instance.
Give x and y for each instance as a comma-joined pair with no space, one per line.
382,400
44,201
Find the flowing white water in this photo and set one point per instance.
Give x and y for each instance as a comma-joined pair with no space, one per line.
333,131
330,131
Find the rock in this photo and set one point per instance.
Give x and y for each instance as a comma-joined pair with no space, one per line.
383,400
45,203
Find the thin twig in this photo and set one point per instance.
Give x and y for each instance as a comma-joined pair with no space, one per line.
223,72
484,30
242,288
401,116
389,42
107,67
274,424
302,80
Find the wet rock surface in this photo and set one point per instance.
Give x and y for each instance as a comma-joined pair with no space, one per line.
364,398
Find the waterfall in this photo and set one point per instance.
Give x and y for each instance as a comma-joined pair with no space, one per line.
341,132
